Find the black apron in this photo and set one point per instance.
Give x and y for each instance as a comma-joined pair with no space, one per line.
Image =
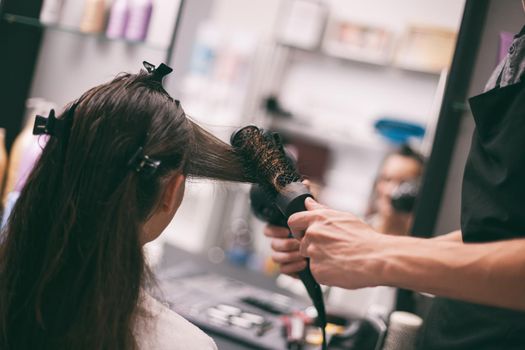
493,208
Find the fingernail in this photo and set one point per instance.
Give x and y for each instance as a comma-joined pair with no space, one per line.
298,235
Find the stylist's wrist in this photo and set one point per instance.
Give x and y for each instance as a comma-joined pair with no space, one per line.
392,268
367,262
379,262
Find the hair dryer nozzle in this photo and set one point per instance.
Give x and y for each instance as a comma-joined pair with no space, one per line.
290,199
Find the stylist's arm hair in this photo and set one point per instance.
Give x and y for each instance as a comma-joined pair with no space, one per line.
346,252
328,236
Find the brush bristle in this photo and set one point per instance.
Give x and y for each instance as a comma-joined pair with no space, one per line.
264,158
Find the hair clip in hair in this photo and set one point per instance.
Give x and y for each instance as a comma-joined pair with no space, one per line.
158,72
143,164
48,126
51,125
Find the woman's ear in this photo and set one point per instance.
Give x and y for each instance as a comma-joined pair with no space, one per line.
173,193
170,202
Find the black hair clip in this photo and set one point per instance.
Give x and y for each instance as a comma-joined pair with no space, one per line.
48,126
143,164
159,72
51,125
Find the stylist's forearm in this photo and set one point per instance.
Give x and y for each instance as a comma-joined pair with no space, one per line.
454,236
490,273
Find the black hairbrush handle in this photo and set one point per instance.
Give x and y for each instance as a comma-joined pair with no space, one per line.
290,201
276,211
314,291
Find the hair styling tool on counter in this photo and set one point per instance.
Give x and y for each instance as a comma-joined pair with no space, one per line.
277,194
403,329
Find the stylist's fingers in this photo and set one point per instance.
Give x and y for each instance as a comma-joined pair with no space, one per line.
276,231
304,247
300,221
312,204
308,184
286,258
293,268
285,244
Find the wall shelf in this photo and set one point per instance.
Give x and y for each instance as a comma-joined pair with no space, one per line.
34,22
376,63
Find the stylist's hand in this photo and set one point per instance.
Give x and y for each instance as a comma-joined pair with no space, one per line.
343,250
285,250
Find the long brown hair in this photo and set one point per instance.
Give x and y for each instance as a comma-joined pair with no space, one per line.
71,266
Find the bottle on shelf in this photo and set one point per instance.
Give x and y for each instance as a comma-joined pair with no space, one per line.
118,19
72,14
26,148
162,22
139,18
15,156
51,11
94,16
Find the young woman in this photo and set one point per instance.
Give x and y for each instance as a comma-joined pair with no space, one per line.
109,180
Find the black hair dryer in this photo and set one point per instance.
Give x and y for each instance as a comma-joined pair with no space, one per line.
404,196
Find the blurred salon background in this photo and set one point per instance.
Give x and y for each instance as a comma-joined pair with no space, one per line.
357,90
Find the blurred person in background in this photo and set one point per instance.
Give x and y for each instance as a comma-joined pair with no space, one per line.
402,167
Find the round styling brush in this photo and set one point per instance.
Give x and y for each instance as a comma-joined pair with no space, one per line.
265,160
278,184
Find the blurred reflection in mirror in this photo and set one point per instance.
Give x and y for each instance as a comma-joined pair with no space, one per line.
391,204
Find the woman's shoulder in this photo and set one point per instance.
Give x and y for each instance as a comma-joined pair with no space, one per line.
159,328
